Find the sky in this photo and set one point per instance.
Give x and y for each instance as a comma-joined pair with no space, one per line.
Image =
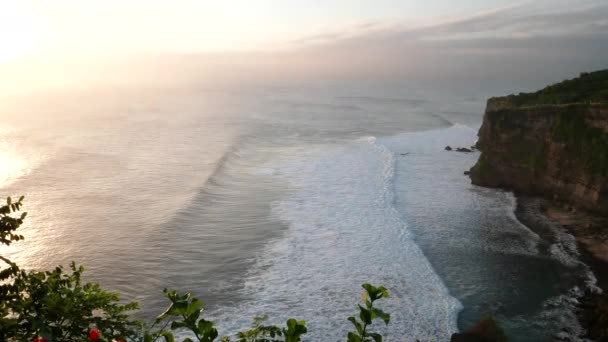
527,42
116,26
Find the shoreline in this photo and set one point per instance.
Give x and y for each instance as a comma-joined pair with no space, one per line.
589,230
591,237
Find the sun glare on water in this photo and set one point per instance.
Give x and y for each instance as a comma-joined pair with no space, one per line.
12,166
10,169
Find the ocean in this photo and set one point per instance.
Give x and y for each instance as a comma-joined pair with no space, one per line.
281,201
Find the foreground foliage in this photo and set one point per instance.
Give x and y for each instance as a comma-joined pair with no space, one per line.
57,306
368,314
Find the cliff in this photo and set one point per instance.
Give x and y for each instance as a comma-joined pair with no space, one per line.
541,144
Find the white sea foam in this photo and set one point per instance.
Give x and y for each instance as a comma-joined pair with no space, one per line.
564,307
344,231
437,170
565,250
432,181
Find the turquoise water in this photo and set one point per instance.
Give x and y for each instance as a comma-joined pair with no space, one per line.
282,201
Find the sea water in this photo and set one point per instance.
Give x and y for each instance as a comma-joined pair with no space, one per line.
282,201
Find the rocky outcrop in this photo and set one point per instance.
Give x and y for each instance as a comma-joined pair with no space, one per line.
558,151
486,330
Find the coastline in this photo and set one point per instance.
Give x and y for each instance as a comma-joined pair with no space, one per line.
587,229
591,237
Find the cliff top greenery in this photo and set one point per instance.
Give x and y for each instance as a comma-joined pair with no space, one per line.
589,87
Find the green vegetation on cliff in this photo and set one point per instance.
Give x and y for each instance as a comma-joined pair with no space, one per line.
582,142
553,142
589,87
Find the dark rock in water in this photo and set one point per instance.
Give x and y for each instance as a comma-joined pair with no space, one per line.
467,337
593,315
463,149
448,148
473,147
405,154
466,173
486,330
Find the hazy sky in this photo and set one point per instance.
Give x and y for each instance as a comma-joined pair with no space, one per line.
443,40
117,26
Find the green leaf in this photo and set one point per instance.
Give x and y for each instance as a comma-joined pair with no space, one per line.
383,315
294,330
168,336
210,336
178,325
375,293
383,291
365,315
204,326
371,291
352,337
377,337
193,306
356,324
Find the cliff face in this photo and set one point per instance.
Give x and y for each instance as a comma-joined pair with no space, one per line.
558,151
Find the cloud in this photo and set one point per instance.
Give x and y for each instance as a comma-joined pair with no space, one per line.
526,43
515,48
520,20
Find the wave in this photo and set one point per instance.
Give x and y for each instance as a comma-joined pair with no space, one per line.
397,211
343,231
561,246
483,243
443,120
320,106
375,99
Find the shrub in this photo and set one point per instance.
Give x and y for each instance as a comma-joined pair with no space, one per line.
368,314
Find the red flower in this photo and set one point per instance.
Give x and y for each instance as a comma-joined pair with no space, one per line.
40,339
94,334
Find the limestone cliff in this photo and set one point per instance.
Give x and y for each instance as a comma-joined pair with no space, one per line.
558,150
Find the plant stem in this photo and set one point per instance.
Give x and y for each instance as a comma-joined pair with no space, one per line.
364,335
